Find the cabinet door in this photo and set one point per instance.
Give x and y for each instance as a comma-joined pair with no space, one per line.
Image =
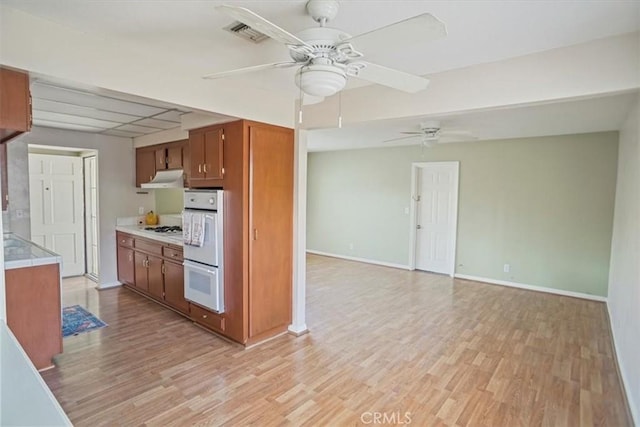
214,150
154,271
271,222
160,159
174,286
140,271
196,153
174,156
125,265
145,166
15,104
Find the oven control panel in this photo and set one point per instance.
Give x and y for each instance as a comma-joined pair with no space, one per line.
209,200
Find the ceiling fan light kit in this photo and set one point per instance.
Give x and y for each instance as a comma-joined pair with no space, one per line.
320,80
327,57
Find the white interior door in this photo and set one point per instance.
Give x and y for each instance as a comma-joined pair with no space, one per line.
57,214
436,200
91,215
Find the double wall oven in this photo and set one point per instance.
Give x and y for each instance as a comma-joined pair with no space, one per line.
204,248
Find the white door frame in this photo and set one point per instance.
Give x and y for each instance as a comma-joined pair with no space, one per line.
413,212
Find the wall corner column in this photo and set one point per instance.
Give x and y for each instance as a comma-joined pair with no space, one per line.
298,322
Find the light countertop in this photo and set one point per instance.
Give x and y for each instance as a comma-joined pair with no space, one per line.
174,239
19,253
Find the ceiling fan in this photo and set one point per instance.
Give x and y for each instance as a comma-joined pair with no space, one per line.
327,57
431,133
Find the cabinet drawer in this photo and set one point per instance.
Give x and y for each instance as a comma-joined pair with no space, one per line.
207,318
150,247
124,239
172,253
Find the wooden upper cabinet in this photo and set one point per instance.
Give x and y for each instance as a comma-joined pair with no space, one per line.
15,104
145,165
174,156
149,160
206,148
161,159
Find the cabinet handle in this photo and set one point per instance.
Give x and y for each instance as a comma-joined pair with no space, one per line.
255,234
204,316
205,168
222,171
162,269
122,241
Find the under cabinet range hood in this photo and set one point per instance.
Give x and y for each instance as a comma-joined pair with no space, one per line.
166,179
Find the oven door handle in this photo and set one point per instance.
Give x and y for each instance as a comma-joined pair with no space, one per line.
194,266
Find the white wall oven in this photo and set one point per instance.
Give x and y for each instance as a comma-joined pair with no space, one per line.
202,224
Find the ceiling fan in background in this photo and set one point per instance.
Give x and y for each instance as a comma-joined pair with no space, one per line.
431,133
327,57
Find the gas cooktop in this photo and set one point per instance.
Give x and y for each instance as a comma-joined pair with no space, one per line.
165,229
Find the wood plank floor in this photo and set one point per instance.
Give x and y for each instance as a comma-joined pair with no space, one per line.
397,345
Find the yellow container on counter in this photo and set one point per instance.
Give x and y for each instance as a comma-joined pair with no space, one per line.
151,218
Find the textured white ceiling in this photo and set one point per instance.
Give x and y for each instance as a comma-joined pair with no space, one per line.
190,33
562,118
478,31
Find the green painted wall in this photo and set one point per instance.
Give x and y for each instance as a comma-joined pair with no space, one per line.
543,205
169,200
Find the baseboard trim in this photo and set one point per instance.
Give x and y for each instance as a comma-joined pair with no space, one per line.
298,330
110,285
635,417
532,287
365,260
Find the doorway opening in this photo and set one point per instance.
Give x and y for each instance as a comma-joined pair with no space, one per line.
434,216
63,195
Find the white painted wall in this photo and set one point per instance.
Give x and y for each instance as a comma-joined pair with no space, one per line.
116,184
624,276
604,66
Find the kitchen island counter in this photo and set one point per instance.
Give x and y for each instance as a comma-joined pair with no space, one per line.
19,253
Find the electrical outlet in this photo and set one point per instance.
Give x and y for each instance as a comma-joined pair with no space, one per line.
507,268
350,246
141,210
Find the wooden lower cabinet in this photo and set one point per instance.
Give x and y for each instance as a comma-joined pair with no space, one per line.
34,312
140,268
208,318
174,286
126,265
153,269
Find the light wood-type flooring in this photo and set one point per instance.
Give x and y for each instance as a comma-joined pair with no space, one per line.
386,345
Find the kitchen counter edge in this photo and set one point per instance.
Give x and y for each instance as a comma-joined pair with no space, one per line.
150,235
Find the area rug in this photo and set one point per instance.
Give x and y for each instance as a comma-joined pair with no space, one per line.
76,320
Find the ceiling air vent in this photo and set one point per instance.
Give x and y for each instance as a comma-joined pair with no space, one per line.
246,32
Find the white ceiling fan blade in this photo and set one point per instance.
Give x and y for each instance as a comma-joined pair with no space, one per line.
401,138
257,22
251,69
420,28
395,79
413,133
